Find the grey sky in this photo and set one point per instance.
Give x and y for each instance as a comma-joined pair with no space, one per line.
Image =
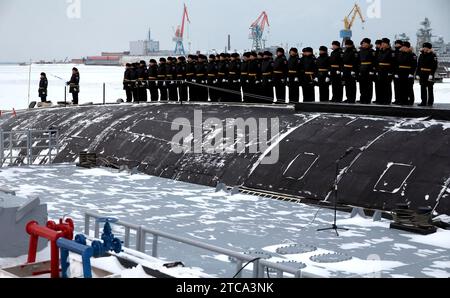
42,30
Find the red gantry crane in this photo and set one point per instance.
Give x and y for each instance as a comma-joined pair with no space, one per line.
257,31
179,33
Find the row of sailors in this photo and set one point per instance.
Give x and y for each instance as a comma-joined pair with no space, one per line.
259,77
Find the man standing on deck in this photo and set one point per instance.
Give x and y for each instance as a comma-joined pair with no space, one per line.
280,72
385,69
336,72
142,77
222,78
43,85
323,70
267,76
162,84
74,85
426,69
293,77
181,77
397,47
351,67
212,78
127,83
171,77
191,76
244,76
366,71
152,78
308,73
254,78
234,77
201,77
406,66
378,92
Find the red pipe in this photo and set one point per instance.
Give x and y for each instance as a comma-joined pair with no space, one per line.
67,227
52,233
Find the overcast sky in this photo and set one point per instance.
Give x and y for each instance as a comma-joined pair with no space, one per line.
42,29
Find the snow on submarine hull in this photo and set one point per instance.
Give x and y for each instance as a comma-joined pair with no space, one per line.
395,159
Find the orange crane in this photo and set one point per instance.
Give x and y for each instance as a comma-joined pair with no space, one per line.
179,33
349,20
257,30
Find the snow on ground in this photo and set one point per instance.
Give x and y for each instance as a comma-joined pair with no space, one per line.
241,223
14,84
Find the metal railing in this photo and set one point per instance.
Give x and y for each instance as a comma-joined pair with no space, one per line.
25,146
259,266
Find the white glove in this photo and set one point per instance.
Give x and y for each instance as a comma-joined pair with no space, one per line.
296,80
269,80
396,76
288,80
338,72
371,73
256,82
316,80
327,80
194,81
430,78
410,76
417,77
283,81
353,73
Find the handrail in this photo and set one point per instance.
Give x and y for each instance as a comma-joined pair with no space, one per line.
259,266
18,141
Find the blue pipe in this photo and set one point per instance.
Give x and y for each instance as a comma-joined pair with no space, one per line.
86,253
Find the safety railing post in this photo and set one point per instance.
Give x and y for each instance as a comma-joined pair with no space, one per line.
29,147
57,142
127,237
138,239
11,148
155,246
239,268
2,140
97,230
143,241
280,274
256,269
104,93
87,224
50,146
261,271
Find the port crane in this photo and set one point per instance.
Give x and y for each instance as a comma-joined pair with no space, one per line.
179,33
349,21
257,31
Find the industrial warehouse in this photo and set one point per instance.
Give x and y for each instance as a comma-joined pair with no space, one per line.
258,163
